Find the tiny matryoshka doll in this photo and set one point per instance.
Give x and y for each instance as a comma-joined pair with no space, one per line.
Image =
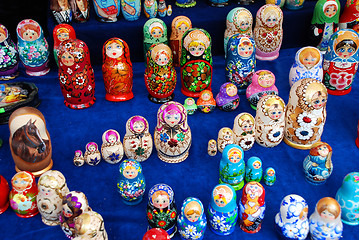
269,121
162,8
227,99
33,48
269,177
79,159
90,225
92,154
131,183
186,3
206,103
325,223
9,59
4,194
172,135
341,62
107,11
77,80
294,4
131,9
154,31
232,166
190,106
305,114
225,137
268,32
111,148
80,10
192,220
254,169
180,25
61,11
156,233
150,8
52,188
196,62
212,147
223,209
161,208
252,207
243,129
61,33
23,194
350,16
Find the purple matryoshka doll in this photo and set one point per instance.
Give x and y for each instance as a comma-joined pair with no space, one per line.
243,129
80,10
111,148
107,11
180,25
61,33
350,16
61,11
227,99
9,57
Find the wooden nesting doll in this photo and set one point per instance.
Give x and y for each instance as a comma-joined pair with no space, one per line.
92,154
305,114
107,11
80,10
280,3
186,3
154,31
227,99
270,121
308,63
131,10
254,169
206,103
243,129
156,233
33,48
294,4
218,3
190,106
196,62
252,207
117,70
150,8
61,33
90,225
240,61
111,148
23,194
172,135
61,11
77,80
349,19
79,159
341,62
52,188
225,137
180,25
212,147
268,32
160,75
4,194
137,142
29,141
269,177
162,8
9,58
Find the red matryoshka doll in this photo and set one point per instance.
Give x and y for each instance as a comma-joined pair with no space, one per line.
80,10
9,58
357,139
341,62
180,25
61,33
77,80
23,194
350,16
243,129
157,234
117,70
61,11
4,194
206,103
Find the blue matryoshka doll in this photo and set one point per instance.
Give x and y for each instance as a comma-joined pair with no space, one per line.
9,57
269,177
254,169
150,8
107,11
192,221
227,99
131,9
131,183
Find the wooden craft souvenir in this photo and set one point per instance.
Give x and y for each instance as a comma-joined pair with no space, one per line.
180,25
172,135
212,147
341,62
156,233
33,48
254,170
162,8
305,114
61,11
131,182
23,194
294,4
9,58
243,129
185,3
29,141
268,32
150,8
232,166
138,140
190,106
240,61
161,208
291,221
269,177
308,63
223,209
80,10
160,75
218,3
196,62
192,220
90,225
79,159
225,137
107,11
252,207
154,31
325,222
206,103
263,83
227,99
111,148
92,154
52,188
169,10
131,10
77,80
279,3
349,19
4,194
269,121
61,33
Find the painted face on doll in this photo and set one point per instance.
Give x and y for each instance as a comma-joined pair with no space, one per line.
247,126
114,50
266,80
275,112
92,148
206,96
81,5
46,191
192,217
197,50
20,184
66,211
30,35
330,11
245,50
182,28
130,173
220,201
253,191
309,61
319,100
270,173
138,127
345,51
323,150
162,59
327,215
257,165
2,37
190,102
244,25
303,215
63,36
161,201
172,119
67,59
231,90
156,32
62,4
271,20
112,138
227,136
235,156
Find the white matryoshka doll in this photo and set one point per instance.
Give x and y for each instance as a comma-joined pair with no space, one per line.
180,25
138,140
268,32
79,159
225,137
172,135
305,114
243,129
9,59
111,148
154,31
92,154
90,225
212,147
269,121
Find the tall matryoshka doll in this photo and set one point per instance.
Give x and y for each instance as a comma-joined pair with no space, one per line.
196,62
61,11
131,9
350,16
154,31
117,70
61,33
107,11
180,25
80,10
341,62
243,129
9,58
305,114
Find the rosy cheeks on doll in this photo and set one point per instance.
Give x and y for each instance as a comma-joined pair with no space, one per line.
130,174
271,21
162,60
244,25
345,51
323,151
227,137
231,91
20,184
206,97
193,217
63,36
220,202
182,29
2,37
67,59
253,191
30,35
114,50
245,51
45,191
92,148
327,215
161,202
66,211
197,51
138,127
309,62
172,119
330,11
157,33
266,80
275,113
256,165
235,158
247,127
319,100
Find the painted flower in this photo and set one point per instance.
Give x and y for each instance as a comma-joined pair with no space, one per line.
63,78
94,161
13,204
218,220
225,228
275,134
114,157
356,178
341,80
149,215
172,143
140,151
190,229
247,142
290,230
184,234
180,137
196,235
162,223
304,133
173,215
23,206
164,137
307,120
69,71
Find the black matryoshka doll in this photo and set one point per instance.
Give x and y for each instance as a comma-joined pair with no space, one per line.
9,57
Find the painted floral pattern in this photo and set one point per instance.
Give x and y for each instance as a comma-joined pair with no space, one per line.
23,204
8,57
197,75
131,191
34,54
223,222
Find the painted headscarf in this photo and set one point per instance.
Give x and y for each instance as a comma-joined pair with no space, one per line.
226,193
172,107
60,29
151,24
230,169
318,15
222,97
197,36
131,163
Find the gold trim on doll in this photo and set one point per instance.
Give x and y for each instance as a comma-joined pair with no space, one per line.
196,36
309,92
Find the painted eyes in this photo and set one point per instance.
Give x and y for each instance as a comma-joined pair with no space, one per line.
271,20
200,49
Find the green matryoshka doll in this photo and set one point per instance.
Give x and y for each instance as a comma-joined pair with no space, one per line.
154,31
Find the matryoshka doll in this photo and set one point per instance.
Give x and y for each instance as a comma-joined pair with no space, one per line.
61,11
111,148
131,183
107,11
4,194
268,32
52,188
254,169
172,135
154,31
341,62
269,177
117,70
138,140
161,208
308,63
150,8
180,25
325,222
92,154
77,80
61,33
223,209
33,48
212,147
131,9
243,129
350,16
162,8
190,106
252,207
294,4
206,103
192,217
79,159
232,166
156,233
280,3
225,137
227,99
186,3
9,59
80,10
196,62
90,225
23,194
305,114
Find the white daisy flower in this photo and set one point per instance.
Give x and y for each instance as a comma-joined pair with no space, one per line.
184,234
276,134
304,133
196,235
247,142
225,228
306,120
190,229
218,220
69,71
